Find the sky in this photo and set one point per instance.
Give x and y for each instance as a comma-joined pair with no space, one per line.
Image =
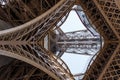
72,23
77,63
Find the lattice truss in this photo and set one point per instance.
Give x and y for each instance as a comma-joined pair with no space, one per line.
10,9
113,71
18,70
112,13
84,42
104,14
79,42
23,42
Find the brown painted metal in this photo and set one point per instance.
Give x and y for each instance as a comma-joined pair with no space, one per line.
32,19
101,14
22,42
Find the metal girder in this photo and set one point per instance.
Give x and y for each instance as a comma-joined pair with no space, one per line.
22,42
17,12
18,70
100,14
78,42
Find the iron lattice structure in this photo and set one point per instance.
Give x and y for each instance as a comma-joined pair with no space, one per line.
78,42
104,14
23,41
31,20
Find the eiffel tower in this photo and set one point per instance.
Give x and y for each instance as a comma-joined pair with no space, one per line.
27,26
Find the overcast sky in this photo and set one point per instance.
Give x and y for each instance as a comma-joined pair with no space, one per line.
76,63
